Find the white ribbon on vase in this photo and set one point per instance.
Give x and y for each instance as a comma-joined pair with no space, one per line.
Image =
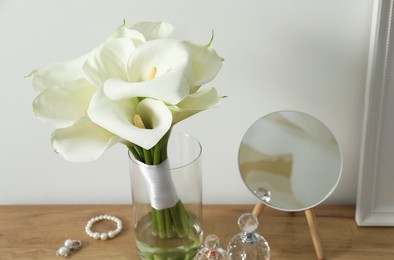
160,186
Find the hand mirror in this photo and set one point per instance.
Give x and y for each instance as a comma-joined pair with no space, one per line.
290,161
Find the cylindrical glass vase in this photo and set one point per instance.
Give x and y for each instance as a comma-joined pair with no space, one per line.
181,177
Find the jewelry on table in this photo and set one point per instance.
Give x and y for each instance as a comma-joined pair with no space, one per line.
69,245
104,236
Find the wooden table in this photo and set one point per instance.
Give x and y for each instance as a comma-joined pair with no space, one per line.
36,232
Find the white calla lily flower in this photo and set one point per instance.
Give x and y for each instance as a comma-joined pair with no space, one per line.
195,103
65,97
126,33
62,106
154,30
172,64
56,74
205,61
117,117
142,32
84,141
108,60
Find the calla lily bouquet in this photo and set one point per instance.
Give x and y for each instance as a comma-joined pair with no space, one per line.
132,89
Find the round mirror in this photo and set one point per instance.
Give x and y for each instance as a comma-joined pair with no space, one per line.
290,160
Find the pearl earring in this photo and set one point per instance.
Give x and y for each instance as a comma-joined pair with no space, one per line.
69,245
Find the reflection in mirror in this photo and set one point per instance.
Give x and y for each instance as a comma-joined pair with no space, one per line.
290,160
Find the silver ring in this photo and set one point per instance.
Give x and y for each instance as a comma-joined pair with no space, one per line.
76,244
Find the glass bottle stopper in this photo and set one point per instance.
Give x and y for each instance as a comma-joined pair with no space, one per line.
211,249
248,245
248,224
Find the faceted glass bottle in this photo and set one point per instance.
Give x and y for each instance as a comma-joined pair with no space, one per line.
248,245
211,250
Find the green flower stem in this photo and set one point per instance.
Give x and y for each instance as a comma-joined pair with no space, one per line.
168,223
185,221
160,223
154,223
176,221
135,153
147,157
139,150
156,154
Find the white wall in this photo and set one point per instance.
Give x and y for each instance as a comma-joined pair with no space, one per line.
305,55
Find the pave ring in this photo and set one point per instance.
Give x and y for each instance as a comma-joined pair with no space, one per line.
69,245
103,236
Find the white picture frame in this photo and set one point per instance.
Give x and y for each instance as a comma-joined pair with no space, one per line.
375,197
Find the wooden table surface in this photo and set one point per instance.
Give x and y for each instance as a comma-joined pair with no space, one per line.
36,232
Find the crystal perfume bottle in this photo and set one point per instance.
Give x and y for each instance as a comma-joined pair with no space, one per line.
248,245
211,250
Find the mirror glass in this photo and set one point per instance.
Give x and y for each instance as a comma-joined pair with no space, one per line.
290,160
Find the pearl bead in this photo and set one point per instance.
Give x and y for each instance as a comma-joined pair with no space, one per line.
63,251
96,235
68,243
103,236
111,234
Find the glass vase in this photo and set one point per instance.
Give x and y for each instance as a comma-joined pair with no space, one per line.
181,176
